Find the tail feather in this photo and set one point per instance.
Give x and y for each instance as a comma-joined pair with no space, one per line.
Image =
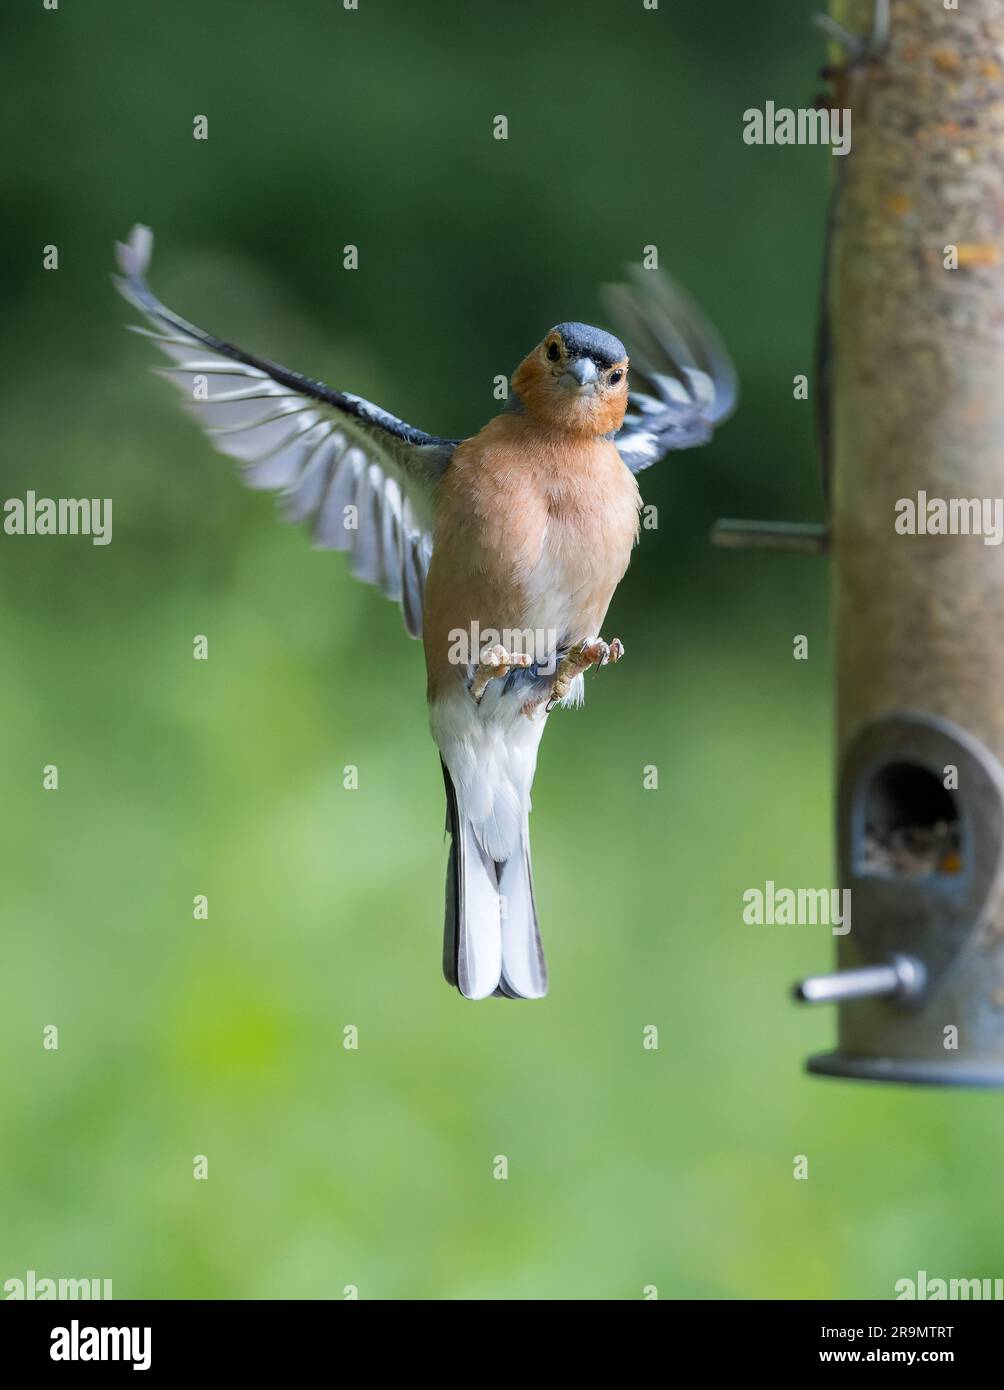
491,940
524,970
472,939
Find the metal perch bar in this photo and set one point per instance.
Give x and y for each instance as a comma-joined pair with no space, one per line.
853,46
903,978
799,536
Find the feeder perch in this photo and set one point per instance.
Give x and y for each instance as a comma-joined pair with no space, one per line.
914,408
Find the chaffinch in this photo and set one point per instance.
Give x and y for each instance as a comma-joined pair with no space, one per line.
504,549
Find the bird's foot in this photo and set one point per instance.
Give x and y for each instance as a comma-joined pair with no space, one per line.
495,663
594,652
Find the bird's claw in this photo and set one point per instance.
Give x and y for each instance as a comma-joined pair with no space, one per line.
495,663
594,652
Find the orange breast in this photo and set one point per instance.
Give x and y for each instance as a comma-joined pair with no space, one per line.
534,531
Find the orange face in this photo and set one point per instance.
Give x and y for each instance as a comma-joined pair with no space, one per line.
570,390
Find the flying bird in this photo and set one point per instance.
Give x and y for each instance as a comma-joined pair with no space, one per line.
503,550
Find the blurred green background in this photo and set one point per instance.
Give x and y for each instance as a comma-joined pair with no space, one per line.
373,1167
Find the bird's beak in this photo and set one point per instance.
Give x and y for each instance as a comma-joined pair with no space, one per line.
580,374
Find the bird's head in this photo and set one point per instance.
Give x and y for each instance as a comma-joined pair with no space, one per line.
575,380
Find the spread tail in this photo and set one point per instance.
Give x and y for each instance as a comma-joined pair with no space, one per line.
491,941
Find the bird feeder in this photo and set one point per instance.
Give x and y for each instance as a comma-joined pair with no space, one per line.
914,415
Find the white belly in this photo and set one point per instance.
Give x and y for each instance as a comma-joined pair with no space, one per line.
490,750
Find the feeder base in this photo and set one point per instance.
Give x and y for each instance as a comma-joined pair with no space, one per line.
907,1071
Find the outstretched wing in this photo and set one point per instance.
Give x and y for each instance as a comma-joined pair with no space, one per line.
363,479
683,380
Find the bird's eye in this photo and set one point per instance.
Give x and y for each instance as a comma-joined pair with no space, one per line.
553,352
615,377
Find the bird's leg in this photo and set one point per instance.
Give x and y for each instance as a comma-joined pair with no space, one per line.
578,659
495,663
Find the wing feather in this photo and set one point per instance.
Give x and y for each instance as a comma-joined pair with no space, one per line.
683,380
362,479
